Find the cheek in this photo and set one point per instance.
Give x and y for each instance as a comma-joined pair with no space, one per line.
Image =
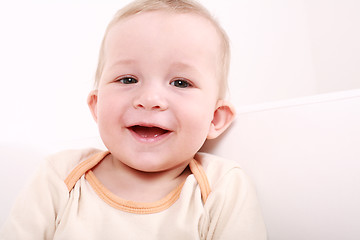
109,108
197,132
197,119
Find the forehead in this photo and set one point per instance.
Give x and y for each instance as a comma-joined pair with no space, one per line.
166,21
187,32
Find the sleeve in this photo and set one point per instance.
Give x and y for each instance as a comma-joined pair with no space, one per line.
36,209
234,210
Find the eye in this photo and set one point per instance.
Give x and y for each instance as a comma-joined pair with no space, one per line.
181,83
126,80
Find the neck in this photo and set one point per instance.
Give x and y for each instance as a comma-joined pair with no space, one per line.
135,185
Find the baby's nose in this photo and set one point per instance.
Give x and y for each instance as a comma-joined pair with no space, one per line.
150,99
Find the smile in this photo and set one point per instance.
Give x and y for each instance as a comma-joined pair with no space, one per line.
148,134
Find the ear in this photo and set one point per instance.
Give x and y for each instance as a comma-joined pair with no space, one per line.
92,103
224,114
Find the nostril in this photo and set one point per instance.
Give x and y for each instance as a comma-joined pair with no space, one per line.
156,107
150,102
138,105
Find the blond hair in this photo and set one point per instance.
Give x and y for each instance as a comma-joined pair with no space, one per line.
176,6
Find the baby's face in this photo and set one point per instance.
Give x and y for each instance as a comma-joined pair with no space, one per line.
159,89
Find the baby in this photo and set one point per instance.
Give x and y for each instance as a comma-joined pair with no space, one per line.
159,94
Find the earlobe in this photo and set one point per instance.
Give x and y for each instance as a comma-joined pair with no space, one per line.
92,103
224,114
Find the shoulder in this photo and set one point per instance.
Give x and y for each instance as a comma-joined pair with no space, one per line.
232,209
218,169
226,177
62,163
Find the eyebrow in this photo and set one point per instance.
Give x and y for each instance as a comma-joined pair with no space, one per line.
181,65
123,62
184,66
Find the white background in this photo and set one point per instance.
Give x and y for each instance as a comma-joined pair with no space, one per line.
281,49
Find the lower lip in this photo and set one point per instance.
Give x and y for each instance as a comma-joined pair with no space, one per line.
149,139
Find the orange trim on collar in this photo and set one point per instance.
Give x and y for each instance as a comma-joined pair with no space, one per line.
82,168
131,206
201,178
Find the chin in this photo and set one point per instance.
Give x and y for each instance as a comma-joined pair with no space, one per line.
149,168
153,165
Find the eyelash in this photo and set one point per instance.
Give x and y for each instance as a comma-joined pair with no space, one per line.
126,80
184,83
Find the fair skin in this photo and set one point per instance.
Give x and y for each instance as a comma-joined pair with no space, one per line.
157,101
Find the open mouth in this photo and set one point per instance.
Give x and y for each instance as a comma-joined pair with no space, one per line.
148,132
